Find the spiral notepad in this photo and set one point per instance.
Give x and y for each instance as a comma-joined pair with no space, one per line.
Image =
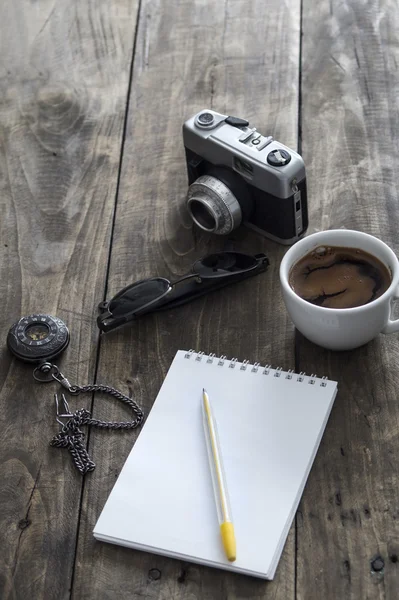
270,425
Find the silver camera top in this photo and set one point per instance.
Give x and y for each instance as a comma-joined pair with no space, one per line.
238,176
230,141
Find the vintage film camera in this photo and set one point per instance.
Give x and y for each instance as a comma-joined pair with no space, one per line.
236,175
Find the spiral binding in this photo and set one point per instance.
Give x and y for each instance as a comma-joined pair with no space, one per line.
254,368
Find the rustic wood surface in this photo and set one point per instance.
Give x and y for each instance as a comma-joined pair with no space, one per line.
348,522
64,79
182,65
92,181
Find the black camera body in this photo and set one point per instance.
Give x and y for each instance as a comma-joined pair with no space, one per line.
236,176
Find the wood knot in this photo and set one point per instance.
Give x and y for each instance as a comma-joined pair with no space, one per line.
154,574
60,110
55,96
24,523
377,564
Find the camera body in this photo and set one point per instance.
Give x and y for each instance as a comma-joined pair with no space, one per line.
236,175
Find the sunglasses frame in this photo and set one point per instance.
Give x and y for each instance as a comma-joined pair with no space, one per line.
106,321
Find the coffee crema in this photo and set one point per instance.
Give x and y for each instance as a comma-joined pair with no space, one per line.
338,277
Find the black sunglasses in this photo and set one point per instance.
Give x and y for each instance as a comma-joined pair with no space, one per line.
149,295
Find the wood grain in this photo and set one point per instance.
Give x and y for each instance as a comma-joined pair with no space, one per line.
64,74
348,525
239,58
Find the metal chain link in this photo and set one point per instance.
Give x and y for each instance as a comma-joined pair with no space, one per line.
76,389
72,437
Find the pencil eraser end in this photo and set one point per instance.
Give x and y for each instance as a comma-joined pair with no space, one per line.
229,540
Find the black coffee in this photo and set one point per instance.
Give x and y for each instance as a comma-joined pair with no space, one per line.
337,277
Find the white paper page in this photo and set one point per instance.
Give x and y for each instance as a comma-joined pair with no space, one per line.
268,428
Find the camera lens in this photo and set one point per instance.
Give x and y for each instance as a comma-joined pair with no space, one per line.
212,205
202,215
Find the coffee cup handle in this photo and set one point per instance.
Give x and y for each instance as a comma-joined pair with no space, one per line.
392,325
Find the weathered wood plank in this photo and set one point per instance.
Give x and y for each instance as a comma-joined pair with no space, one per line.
64,74
240,58
349,514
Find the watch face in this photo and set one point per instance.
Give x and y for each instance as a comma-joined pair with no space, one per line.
38,337
37,332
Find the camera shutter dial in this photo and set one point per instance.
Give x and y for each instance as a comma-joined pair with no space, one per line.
278,158
212,205
205,119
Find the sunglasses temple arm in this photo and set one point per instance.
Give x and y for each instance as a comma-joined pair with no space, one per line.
261,260
186,277
192,290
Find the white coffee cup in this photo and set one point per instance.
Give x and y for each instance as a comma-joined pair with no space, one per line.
341,328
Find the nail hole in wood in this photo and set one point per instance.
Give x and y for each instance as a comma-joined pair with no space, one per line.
377,564
182,577
24,523
154,574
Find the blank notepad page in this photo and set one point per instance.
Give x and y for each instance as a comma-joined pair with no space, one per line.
270,424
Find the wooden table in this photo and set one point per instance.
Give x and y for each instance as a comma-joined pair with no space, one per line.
92,176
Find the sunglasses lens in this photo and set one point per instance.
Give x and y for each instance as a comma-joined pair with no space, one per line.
224,263
138,295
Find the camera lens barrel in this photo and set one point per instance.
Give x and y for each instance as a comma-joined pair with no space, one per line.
213,206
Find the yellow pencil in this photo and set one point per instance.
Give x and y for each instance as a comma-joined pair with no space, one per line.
218,480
